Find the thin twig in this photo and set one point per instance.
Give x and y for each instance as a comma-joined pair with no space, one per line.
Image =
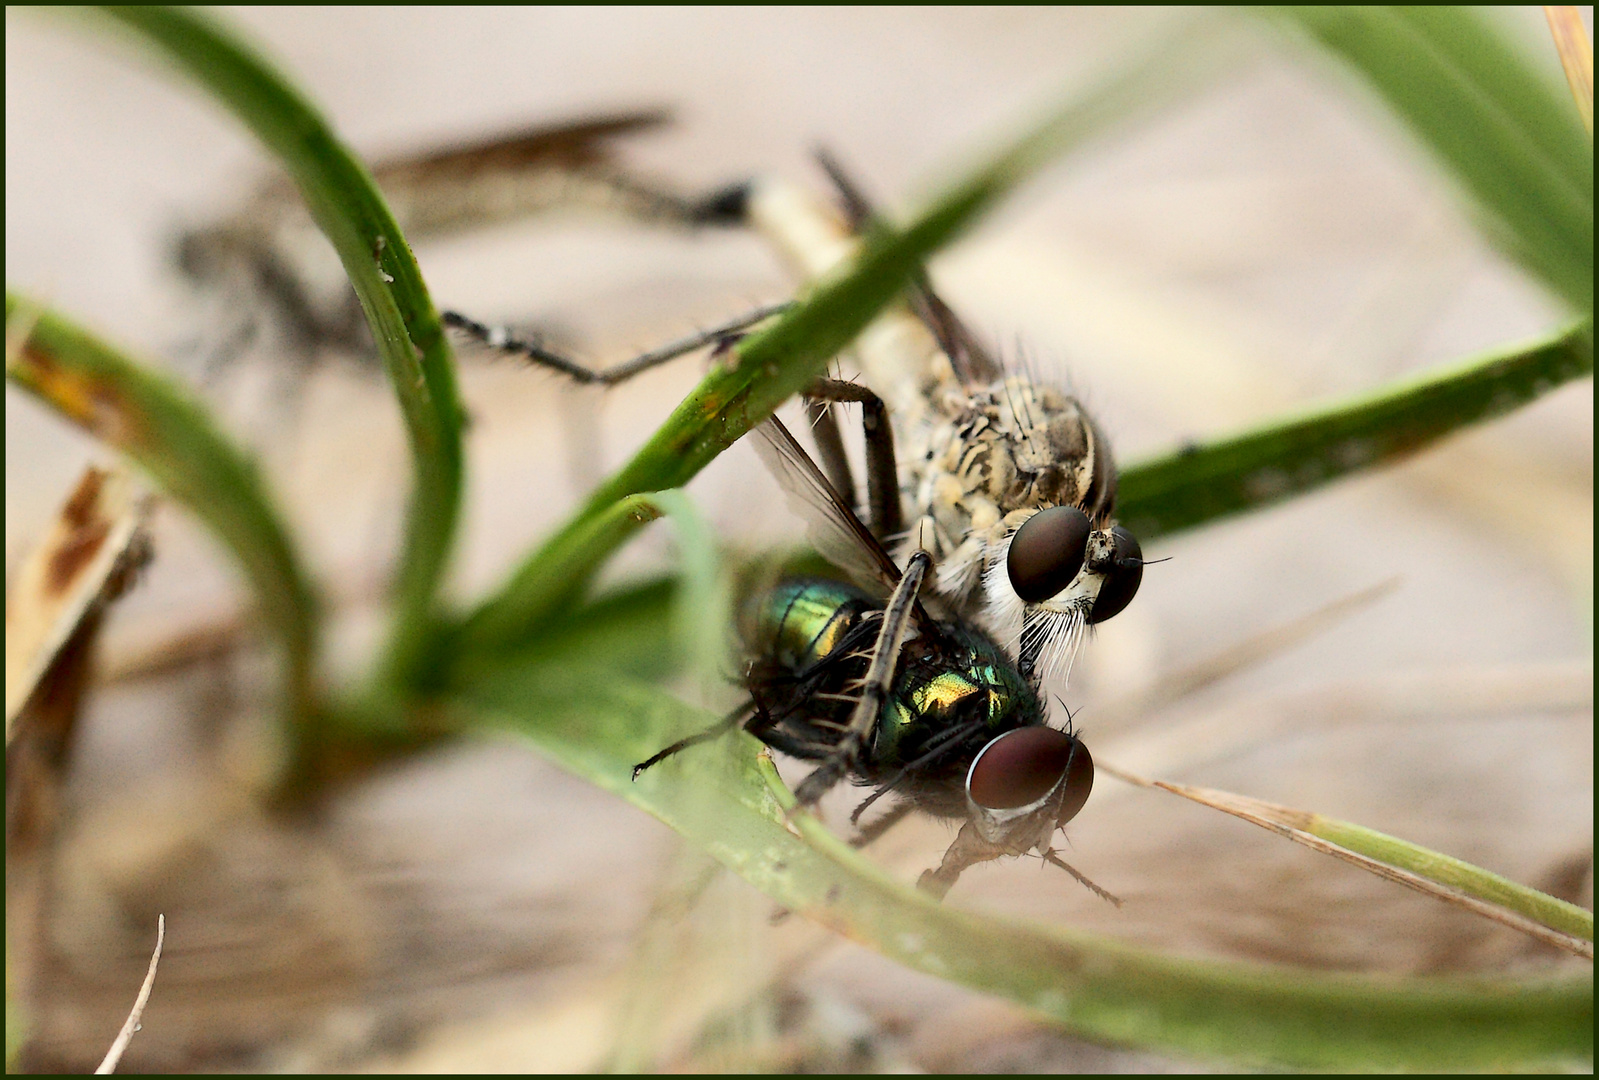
1576,55
125,1036
1281,820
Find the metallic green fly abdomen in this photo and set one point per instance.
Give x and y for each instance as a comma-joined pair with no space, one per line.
953,692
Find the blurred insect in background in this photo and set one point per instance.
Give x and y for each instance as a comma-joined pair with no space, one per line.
273,286
1010,484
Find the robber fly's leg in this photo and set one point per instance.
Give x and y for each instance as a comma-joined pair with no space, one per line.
737,718
830,448
882,475
874,690
502,339
714,336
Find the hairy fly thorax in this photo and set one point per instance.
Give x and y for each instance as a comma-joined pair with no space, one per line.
991,459
976,461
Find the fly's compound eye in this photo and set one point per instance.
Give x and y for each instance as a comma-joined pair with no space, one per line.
1023,766
1122,579
1047,552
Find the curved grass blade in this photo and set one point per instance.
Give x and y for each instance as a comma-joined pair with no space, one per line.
1501,127
155,423
345,203
1547,918
597,725
765,369
1299,453
703,608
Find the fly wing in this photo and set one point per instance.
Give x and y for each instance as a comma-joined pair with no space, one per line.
575,144
510,176
972,362
830,524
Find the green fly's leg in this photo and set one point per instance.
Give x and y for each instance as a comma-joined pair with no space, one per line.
735,719
897,618
896,814
499,338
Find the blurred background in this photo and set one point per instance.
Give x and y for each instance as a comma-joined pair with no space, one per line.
1269,242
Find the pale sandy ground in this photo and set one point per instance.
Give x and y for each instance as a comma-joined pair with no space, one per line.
1267,244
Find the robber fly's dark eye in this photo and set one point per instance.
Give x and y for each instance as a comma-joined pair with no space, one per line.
1122,579
1022,766
1047,551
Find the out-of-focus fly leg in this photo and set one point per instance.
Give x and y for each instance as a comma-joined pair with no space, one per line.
830,449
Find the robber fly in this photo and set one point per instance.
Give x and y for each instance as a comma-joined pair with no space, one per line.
952,728
1009,482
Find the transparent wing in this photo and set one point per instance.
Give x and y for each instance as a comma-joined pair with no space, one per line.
510,176
830,524
971,360
574,144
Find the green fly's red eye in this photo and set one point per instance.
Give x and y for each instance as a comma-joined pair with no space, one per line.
1022,766
1047,551
1079,782
1122,579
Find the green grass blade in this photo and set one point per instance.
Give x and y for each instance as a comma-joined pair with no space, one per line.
630,631
1295,454
1551,911
703,612
1503,128
597,725
768,367
346,205
1539,915
156,423
519,616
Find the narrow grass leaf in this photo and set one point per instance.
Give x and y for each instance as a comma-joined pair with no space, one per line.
702,610
1547,918
89,553
1502,127
154,421
345,203
1297,453
597,725
1576,55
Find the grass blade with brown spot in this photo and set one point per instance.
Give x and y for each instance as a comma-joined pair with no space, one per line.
155,423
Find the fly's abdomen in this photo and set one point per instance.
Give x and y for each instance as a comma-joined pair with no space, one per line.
804,620
953,688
